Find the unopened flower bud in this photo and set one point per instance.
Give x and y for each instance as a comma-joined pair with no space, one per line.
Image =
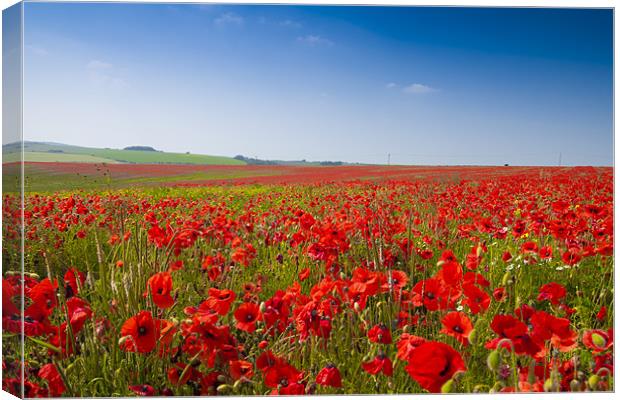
448,387
593,381
493,360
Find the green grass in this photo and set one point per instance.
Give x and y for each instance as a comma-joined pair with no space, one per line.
40,180
115,155
35,156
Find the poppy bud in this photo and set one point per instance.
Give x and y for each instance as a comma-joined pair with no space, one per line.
507,279
221,378
263,344
575,385
550,385
357,307
472,336
448,387
493,360
262,307
223,388
593,381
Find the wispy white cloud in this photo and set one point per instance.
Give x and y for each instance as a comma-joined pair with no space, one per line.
39,51
315,40
229,18
289,23
391,85
417,88
102,74
98,64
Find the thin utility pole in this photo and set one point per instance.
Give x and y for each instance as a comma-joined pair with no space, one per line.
389,155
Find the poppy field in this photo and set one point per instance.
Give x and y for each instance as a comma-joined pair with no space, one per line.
326,281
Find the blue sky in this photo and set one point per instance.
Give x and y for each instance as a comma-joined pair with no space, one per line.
428,85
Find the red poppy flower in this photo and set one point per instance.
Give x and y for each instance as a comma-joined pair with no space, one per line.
160,286
602,313
175,372
571,256
557,330
290,389
240,368
380,364
143,390
545,252
457,325
430,293
598,340
433,363
499,294
267,360
329,376
54,380
44,295
554,292
304,274
282,374
220,300
475,298
246,315
396,280
529,247
509,327
72,277
380,334
139,333
407,344
79,312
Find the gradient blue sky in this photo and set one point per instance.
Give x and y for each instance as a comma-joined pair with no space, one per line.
428,85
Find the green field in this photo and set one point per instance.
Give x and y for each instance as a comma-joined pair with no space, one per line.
36,156
51,152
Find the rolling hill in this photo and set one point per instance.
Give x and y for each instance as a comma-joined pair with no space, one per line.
56,152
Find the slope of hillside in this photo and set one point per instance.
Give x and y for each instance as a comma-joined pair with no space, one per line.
55,152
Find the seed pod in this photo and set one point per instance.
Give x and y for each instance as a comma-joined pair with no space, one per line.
493,360
221,378
575,385
599,340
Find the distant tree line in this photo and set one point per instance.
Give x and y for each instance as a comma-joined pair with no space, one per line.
254,161
257,161
139,148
